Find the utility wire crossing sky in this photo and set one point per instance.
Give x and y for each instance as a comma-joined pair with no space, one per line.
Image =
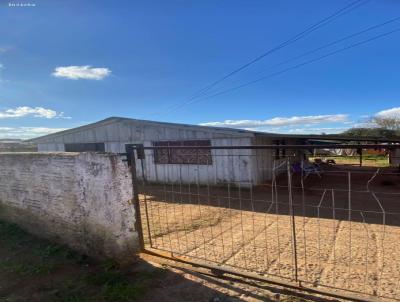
289,67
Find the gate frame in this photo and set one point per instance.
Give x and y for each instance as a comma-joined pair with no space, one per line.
133,150
131,159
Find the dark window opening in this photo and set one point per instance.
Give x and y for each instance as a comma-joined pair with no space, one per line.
85,147
130,148
189,156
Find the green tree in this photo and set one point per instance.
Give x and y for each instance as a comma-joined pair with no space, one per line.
389,123
371,132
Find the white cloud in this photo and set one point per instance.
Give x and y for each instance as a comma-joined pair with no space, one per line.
330,130
281,121
4,49
81,72
392,113
24,111
26,132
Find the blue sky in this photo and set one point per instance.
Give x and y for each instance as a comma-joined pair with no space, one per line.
68,63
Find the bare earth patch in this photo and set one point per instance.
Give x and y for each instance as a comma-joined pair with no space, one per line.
349,245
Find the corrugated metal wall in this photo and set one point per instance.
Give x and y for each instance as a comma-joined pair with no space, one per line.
228,165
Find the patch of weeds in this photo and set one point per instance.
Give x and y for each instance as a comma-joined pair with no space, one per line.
104,278
12,234
47,250
42,255
123,291
25,269
115,286
71,292
110,264
105,281
108,274
8,266
118,286
126,291
73,297
37,269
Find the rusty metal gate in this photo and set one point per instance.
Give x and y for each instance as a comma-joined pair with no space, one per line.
266,213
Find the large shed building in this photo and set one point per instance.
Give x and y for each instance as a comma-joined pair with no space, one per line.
206,166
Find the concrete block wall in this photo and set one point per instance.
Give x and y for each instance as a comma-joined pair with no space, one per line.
77,199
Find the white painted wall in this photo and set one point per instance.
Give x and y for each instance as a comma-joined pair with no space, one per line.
77,199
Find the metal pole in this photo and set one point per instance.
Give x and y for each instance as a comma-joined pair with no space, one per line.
272,147
144,182
136,203
293,225
349,217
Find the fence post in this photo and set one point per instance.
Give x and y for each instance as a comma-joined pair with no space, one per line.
293,223
141,155
136,203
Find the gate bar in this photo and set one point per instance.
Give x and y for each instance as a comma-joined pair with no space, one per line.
135,191
308,146
334,293
293,222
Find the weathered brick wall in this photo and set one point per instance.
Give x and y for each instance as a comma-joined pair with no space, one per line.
78,199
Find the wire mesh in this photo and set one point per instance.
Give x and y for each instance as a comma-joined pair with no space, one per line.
337,226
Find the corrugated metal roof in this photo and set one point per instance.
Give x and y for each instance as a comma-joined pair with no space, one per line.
225,130
112,120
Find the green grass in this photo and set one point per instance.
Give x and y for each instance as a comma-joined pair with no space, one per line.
67,276
9,266
30,255
367,160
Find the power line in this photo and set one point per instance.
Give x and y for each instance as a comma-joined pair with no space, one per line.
314,27
296,66
331,44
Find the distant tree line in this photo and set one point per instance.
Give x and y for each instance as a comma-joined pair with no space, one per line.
9,145
385,127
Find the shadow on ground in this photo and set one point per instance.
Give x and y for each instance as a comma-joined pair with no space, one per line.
33,269
341,193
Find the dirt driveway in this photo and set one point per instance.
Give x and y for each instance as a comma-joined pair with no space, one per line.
342,239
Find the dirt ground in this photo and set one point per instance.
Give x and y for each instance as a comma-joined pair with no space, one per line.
343,239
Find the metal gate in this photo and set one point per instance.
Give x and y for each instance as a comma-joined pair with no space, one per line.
268,214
